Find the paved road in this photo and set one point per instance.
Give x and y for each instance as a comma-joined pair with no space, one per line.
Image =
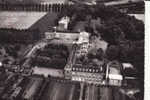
72,56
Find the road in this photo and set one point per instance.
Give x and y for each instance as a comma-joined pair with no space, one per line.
72,56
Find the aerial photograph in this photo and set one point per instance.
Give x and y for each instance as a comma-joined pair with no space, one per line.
72,49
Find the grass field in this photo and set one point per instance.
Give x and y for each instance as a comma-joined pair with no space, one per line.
59,91
27,20
19,20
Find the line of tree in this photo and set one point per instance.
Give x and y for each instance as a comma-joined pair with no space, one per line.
33,7
19,36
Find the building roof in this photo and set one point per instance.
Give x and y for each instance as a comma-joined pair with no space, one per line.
127,65
115,76
19,20
52,1
1,64
139,16
63,35
64,20
114,70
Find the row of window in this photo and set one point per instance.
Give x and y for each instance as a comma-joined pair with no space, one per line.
86,70
86,79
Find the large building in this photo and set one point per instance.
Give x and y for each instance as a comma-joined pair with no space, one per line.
63,23
81,38
83,42
93,75
114,73
83,49
76,71
61,35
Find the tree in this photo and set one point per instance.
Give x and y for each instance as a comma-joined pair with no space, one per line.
112,53
100,54
17,47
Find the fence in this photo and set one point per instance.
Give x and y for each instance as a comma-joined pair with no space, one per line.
33,7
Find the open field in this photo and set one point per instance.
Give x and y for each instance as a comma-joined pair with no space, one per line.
48,71
44,21
19,20
59,91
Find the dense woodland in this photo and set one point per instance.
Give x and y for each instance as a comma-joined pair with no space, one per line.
13,36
